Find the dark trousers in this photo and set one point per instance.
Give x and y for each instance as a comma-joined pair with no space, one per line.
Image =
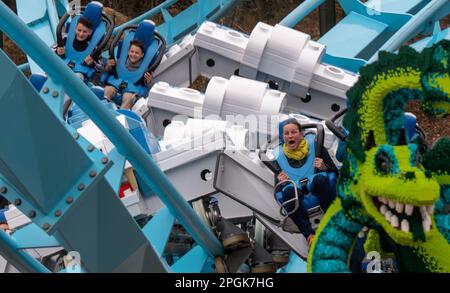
322,189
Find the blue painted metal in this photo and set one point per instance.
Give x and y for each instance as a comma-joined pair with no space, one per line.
368,26
396,6
62,6
20,259
55,103
355,29
31,236
295,265
60,179
414,26
114,175
24,66
42,19
52,16
125,144
194,261
158,229
430,41
299,13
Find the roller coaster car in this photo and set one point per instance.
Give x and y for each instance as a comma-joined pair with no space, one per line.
102,28
123,79
301,178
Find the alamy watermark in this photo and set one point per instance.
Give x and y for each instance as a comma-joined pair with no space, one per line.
235,132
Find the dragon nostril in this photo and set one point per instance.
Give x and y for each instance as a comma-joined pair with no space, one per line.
410,175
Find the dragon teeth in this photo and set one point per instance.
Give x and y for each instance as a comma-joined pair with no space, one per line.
430,209
391,203
399,207
409,209
383,209
426,224
404,225
388,216
423,211
383,200
394,221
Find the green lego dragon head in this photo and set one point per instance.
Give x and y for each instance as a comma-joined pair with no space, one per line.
385,178
397,193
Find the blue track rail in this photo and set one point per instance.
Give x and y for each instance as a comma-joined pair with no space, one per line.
371,26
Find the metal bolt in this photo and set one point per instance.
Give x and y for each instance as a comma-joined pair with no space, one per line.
105,160
90,148
69,200
76,135
93,174
17,202
3,189
55,94
46,226
31,214
81,187
58,213
45,90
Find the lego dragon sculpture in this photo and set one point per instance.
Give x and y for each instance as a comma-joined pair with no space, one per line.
388,184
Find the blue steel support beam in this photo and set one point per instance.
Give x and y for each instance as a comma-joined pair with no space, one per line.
226,5
52,16
107,122
414,26
147,15
20,259
299,13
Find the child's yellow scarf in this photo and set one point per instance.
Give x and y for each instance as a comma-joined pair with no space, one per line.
299,153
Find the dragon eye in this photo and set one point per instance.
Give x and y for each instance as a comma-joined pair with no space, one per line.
383,164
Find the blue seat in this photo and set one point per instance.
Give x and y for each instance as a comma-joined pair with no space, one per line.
2,216
102,27
132,81
410,121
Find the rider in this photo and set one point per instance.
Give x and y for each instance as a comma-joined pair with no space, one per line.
295,161
133,62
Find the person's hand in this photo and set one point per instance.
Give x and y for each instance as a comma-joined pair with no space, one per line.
4,227
89,60
60,51
319,164
310,239
111,62
148,77
282,177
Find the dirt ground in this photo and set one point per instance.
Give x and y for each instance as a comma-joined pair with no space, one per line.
245,16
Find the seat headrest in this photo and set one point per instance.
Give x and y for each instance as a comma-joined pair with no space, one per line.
144,33
93,12
410,121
